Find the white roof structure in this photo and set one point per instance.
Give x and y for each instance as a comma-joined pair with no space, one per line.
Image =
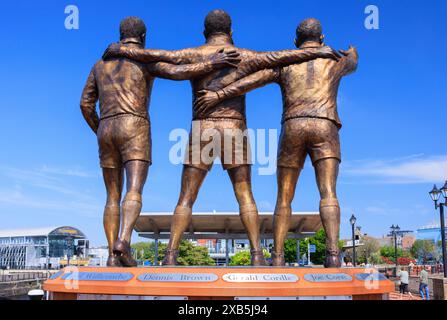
41,232
224,225
37,232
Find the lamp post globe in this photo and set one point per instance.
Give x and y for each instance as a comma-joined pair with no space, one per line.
435,193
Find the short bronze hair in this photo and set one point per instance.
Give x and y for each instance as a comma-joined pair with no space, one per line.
132,27
217,21
309,29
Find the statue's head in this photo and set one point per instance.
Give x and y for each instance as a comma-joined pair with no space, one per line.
217,21
133,27
309,30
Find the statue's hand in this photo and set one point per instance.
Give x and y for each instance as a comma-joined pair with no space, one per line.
205,101
352,50
222,58
112,51
328,53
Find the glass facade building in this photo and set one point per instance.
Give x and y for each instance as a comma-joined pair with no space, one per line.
40,248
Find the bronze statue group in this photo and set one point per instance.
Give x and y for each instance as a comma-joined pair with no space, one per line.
220,74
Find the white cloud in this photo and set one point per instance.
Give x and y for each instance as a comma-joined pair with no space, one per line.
407,170
28,188
72,172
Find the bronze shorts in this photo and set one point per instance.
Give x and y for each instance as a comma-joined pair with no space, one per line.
124,138
222,138
301,136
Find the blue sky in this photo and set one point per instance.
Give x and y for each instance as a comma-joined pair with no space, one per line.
393,108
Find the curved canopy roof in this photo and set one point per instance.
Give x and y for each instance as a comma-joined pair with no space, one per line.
223,225
43,232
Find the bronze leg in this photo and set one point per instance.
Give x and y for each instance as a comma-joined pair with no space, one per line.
241,180
287,179
136,175
326,173
192,179
113,179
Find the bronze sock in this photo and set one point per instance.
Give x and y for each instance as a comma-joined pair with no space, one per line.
281,223
330,216
131,209
111,221
180,222
250,220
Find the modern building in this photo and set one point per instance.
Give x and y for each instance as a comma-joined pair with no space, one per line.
40,248
223,232
98,256
430,232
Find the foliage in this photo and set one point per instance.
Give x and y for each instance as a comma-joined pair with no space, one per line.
423,249
375,258
189,254
370,246
388,254
146,251
192,255
319,240
243,258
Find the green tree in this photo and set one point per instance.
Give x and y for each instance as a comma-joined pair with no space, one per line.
389,252
192,255
319,240
146,251
423,249
243,258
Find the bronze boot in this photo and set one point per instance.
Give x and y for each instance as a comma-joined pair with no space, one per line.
170,258
332,259
122,250
113,261
257,258
278,259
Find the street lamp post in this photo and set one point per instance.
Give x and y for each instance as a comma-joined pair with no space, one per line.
435,195
395,232
352,221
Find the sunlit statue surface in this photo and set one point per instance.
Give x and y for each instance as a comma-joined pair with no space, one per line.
227,118
310,126
123,88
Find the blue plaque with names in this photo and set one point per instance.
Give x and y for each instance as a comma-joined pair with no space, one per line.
370,277
260,277
98,276
177,277
328,277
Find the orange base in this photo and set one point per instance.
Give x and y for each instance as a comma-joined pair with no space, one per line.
217,283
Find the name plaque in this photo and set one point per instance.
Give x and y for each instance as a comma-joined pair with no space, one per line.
328,277
177,277
260,277
97,276
370,277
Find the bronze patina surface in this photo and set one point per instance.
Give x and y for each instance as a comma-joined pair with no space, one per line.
227,114
310,126
123,88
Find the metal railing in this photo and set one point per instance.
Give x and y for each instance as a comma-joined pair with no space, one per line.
23,276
